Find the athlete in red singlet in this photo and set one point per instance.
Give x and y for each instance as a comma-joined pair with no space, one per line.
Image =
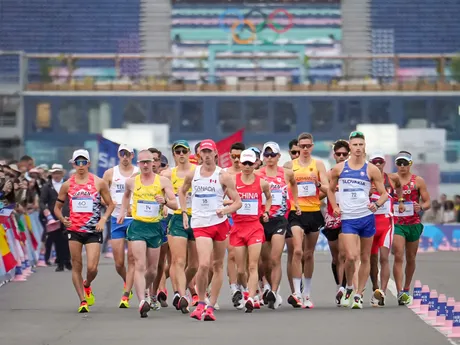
383,237
279,179
408,227
85,224
247,234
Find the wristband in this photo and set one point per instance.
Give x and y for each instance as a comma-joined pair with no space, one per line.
377,205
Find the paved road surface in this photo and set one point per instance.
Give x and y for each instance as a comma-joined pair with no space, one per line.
42,311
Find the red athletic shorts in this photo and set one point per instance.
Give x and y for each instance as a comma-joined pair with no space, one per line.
383,233
246,234
218,232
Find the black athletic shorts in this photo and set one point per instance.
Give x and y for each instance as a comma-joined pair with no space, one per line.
308,221
332,234
86,237
288,231
275,226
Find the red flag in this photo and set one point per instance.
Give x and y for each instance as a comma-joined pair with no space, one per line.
223,147
8,258
33,240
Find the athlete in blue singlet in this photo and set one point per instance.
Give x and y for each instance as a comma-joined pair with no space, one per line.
354,177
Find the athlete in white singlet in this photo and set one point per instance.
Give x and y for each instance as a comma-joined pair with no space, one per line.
116,178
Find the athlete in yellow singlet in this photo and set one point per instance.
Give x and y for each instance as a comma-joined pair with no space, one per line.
150,193
311,178
181,241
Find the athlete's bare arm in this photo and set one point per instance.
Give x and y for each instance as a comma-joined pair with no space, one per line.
377,178
394,178
290,179
229,201
228,183
129,186
268,195
322,176
333,182
424,195
322,194
60,204
105,194
170,201
166,173
107,177
183,191
288,165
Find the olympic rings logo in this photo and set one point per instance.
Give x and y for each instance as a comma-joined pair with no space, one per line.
243,21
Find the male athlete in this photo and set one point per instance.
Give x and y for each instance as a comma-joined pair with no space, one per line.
408,227
115,178
84,224
354,177
150,193
247,234
383,237
311,178
279,179
209,222
333,226
181,241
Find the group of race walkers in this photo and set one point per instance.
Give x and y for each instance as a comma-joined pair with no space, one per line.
180,223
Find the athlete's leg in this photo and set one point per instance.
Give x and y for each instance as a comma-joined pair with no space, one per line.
277,246
118,251
218,269
162,298
374,271
93,253
365,265
351,252
240,258
334,249
231,268
411,254
290,254
139,250
253,254
399,244
130,271
178,248
192,263
77,267
384,268
205,249
297,241
153,255
309,260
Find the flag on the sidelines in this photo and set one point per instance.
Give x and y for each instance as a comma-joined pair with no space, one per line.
9,260
22,229
223,147
33,240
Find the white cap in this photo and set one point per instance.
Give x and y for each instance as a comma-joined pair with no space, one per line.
404,155
248,156
80,153
125,147
377,155
56,168
273,146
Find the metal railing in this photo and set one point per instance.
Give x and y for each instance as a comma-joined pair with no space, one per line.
67,77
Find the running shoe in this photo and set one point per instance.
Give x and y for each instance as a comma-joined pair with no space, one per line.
198,312
338,296
264,296
357,302
243,301
271,299
124,303
176,300
195,300
295,301
307,303
83,308
236,298
249,305
209,314
130,293
163,298
144,308
154,304
378,298
404,298
89,296
257,303
346,298
183,305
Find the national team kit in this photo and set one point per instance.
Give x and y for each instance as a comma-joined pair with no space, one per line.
282,206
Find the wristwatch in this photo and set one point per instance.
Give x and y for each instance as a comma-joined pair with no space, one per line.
318,184
377,205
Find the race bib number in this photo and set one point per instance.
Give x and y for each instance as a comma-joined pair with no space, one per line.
277,197
82,205
188,201
385,208
250,207
119,192
205,202
407,213
306,189
353,195
147,208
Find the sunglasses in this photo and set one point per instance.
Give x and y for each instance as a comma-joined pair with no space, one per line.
378,161
294,152
156,159
306,146
179,151
144,161
250,164
235,156
124,153
270,154
356,134
81,162
341,154
402,162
